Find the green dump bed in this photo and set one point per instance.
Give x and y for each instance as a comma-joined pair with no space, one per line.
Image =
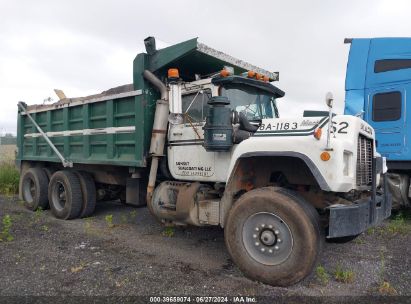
104,130
114,127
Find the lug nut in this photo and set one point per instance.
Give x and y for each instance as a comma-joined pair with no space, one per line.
262,249
257,243
279,241
277,232
263,225
270,251
270,226
257,229
276,247
255,236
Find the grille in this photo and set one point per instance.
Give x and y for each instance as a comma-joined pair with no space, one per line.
364,161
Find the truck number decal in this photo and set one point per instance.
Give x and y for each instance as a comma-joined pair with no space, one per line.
279,126
341,127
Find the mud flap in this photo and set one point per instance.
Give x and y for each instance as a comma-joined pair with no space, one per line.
133,189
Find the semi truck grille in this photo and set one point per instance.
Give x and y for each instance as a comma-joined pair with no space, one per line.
364,161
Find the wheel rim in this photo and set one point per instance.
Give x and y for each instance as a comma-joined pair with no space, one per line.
267,238
59,196
29,190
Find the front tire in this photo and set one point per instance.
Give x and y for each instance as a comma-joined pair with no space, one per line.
274,236
65,196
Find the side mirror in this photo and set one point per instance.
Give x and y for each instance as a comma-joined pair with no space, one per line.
329,99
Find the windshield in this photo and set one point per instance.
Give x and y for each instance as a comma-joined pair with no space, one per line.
254,103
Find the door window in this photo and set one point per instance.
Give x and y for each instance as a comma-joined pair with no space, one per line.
196,106
386,106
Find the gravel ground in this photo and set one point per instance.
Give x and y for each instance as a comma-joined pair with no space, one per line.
140,257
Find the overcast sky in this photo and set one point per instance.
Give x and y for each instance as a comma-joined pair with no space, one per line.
84,47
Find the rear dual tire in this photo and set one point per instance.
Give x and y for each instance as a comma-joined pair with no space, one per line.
65,195
88,189
33,189
70,194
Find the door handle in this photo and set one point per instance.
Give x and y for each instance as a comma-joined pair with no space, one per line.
178,133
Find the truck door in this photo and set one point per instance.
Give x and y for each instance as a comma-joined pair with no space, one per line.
187,157
386,114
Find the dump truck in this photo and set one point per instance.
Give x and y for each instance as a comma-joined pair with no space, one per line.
197,137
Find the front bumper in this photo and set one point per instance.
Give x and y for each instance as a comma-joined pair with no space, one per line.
348,220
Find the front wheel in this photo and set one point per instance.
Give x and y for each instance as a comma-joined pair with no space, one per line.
274,236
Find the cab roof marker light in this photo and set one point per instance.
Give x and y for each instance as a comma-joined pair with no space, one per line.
250,74
224,73
173,73
227,71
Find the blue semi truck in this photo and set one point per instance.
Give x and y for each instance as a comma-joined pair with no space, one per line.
378,80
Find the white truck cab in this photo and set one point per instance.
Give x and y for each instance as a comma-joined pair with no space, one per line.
336,167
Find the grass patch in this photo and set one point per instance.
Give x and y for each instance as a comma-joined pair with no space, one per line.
45,228
133,214
9,179
168,231
5,232
322,275
109,220
359,241
90,228
386,289
78,268
400,223
38,214
344,276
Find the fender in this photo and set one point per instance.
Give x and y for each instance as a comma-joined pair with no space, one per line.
240,177
314,170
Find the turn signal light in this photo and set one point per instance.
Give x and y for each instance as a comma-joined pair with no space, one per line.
250,74
317,133
224,73
266,78
325,156
173,73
